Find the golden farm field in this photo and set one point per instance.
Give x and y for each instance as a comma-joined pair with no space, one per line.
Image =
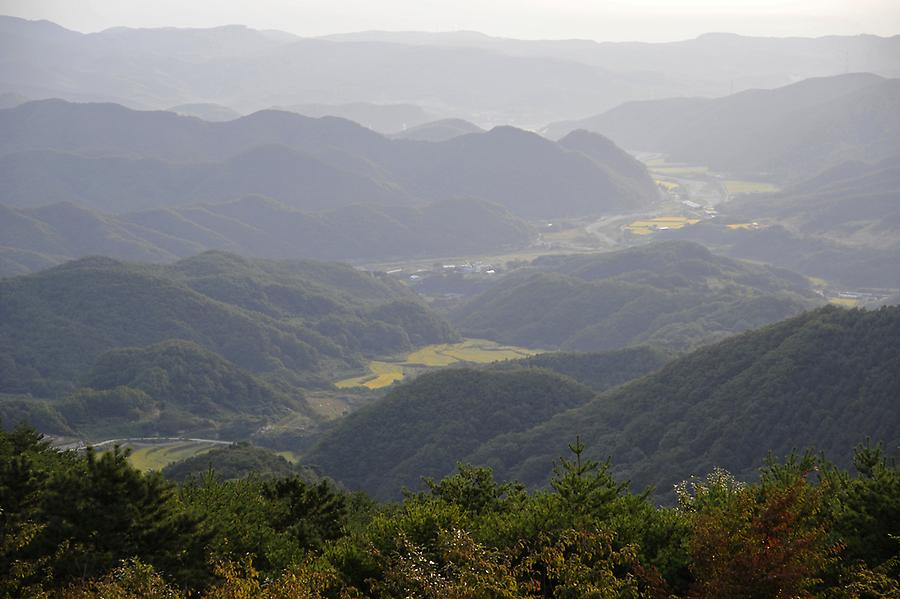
156,456
667,185
733,187
648,226
479,351
845,302
676,170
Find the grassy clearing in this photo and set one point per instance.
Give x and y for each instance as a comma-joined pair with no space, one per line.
734,186
648,226
158,455
479,351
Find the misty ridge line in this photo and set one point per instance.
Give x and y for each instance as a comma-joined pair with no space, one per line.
485,80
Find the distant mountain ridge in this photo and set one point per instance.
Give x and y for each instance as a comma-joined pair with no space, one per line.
137,160
31,239
791,132
469,75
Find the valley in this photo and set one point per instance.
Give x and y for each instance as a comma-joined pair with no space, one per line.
296,313
469,351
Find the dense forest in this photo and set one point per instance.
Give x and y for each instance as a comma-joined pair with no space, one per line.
675,295
89,525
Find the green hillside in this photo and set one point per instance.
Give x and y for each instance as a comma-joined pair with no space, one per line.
598,370
423,427
182,377
675,295
824,379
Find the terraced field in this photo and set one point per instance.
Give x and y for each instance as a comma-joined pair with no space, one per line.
648,226
667,185
155,456
845,302
477,351
736,226
735,187
676,170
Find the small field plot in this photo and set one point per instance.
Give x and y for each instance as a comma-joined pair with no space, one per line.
748,226
156,456
734,187
381,374
845,302
648,226
480,351
667,185
679,170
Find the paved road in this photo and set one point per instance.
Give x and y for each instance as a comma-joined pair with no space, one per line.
82,444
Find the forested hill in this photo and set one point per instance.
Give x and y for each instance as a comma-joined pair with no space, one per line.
672,294
824,379
598,370
422,428
291,321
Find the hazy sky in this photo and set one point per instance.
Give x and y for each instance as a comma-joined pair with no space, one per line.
647,20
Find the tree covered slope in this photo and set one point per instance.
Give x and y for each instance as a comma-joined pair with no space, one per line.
200,337
672,294
424,427
824,379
